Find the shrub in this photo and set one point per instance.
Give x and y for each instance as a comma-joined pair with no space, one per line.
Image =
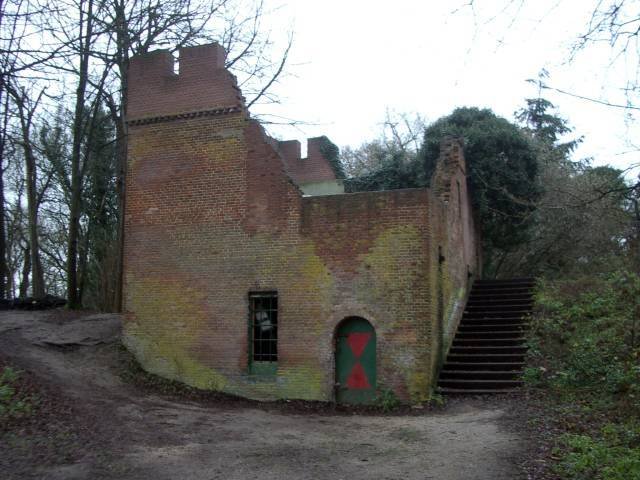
608,458
585,353
13,404
386,400
586,330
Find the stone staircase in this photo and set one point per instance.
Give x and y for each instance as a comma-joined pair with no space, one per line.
488,351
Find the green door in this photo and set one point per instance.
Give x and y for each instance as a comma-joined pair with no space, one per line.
355,361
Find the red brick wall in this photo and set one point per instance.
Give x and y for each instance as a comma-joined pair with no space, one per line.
203,83
457,237
211,215
314,168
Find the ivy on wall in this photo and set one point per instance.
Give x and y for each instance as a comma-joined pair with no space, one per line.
332,153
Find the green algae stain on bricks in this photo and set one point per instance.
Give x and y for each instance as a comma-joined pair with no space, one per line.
167,325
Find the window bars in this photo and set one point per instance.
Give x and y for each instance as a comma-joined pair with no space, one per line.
263,318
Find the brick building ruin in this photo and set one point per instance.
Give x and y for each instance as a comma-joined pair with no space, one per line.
236,280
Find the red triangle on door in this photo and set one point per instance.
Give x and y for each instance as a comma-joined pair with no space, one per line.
358,341
357,379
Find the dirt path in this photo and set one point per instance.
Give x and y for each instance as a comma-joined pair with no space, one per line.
135,435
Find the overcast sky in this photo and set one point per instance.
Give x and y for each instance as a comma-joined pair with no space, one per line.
354,59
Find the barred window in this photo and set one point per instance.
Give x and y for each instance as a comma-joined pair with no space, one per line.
263,317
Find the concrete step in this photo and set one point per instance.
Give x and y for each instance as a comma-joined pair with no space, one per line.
529,282
488,352
489,334
487,342
479,295
497,290
485,357
447,374
489,349
495,320
502,291
494,301
499,307
496,314
480,326
480,384
476,391
506,280
483,366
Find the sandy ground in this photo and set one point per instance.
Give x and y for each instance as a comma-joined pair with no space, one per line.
130,434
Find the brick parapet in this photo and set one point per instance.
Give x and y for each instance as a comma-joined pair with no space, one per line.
314,168
155,92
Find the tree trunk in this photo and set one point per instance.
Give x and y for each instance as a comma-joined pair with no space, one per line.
122,164
4,270
3,234
117,113
37,278
82,270
72,245
73,300
26,267
122,59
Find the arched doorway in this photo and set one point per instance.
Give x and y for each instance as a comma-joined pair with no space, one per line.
355,361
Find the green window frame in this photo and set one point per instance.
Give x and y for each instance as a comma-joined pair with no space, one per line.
263,333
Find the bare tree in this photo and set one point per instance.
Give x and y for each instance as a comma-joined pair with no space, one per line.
401,135
4,268
615,23
21,61
26,109
10,64
88,44
83,48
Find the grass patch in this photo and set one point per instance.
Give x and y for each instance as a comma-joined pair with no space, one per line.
584,352
607,455
15,403
38,425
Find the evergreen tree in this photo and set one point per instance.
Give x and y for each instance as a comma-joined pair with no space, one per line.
502,172
582,221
